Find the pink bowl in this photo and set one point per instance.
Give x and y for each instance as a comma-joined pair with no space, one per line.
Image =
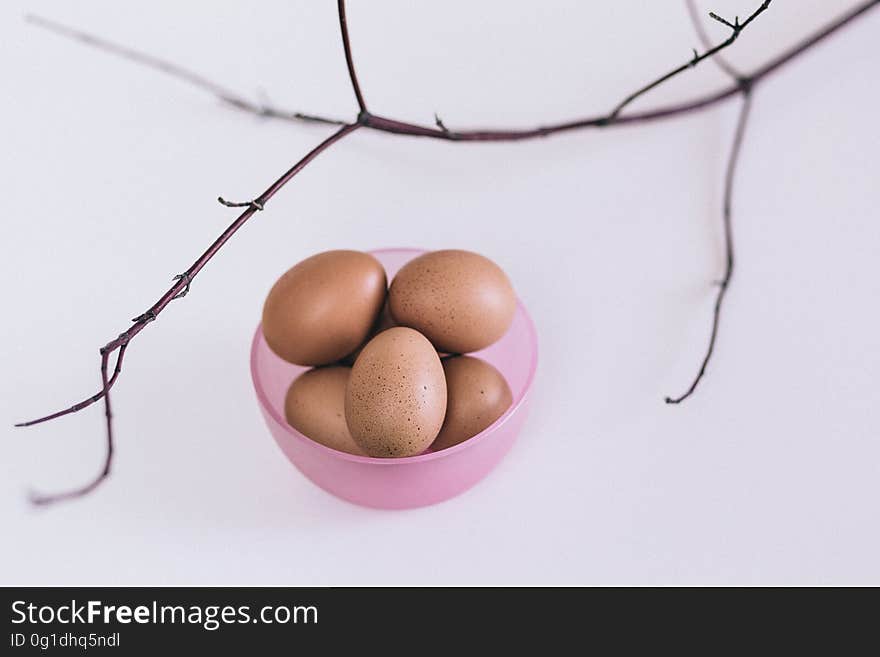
413,481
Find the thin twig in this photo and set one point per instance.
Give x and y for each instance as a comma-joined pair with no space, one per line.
349,60
439,123
703,36
724,283
175,71
244,204
736,30
38,499
98,396
176,291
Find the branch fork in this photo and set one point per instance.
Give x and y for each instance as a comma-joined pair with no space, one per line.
742,86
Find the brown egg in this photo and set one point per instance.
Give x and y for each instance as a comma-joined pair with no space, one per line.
324,307
477,395
315,406
460,301
396,396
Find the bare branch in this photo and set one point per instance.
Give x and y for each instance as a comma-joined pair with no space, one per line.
736,29
724,283
182,282
44,500
175,71
176,291
394,126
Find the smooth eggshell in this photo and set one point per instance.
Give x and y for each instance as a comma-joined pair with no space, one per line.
461,301
477,395
396,396
324,307
315,406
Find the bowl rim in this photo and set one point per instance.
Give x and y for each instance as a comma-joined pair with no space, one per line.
263,399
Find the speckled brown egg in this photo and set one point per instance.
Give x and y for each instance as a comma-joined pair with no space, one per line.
396,395
323,308
315,406
461,301
477,395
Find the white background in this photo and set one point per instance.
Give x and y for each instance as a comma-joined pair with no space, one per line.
769,474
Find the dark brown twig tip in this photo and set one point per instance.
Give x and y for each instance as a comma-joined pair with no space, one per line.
43,500
736,27
439,123
37,499
696,19
255,204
